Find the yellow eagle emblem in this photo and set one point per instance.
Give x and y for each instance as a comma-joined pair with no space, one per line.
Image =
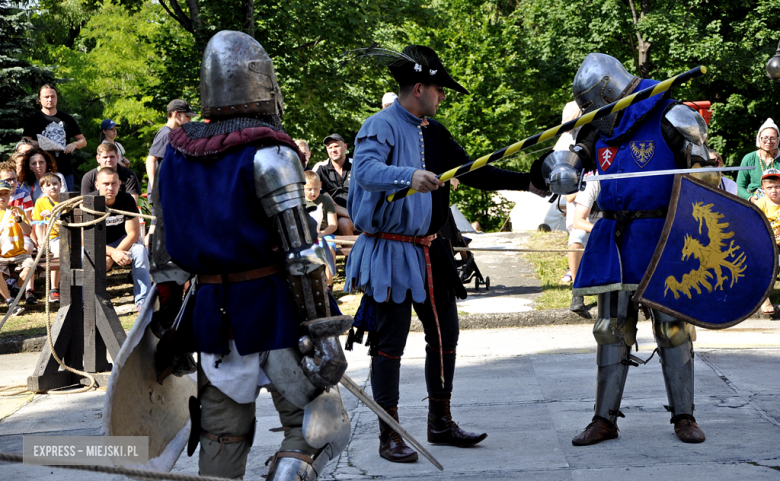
712,257
642,151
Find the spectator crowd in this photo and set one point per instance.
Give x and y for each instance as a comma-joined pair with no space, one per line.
41,167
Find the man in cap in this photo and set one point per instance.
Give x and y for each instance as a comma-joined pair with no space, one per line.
256,284
655,134
179,113
399,261
334,175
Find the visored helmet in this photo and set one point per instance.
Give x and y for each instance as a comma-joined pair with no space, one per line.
237,78
601,80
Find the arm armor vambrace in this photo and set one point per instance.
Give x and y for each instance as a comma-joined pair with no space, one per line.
279,181
693,128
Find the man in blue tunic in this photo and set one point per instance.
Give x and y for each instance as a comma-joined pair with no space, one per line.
399,261
259,272
655,134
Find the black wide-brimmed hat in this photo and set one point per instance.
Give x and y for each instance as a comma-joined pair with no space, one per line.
415,64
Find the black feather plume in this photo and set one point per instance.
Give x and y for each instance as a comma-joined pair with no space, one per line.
384,56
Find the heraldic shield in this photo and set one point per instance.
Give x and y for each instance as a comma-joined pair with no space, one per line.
716,260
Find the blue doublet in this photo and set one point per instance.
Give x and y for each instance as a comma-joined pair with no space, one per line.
609,265
388,150
214,224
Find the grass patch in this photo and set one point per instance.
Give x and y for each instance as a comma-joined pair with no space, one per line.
550,267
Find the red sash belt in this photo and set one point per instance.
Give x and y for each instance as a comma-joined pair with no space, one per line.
425,242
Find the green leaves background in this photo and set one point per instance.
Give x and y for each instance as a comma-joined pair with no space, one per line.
126,59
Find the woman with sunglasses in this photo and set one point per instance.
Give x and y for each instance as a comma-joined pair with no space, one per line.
749,181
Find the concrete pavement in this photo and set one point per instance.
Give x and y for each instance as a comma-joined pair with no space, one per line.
532,389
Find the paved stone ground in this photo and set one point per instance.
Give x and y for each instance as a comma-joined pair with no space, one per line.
531,389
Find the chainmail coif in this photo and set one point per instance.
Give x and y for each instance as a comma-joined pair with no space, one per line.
200,130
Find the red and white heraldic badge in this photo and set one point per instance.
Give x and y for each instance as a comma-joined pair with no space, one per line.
606,156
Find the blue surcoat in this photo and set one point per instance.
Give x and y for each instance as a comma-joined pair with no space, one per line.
214,224
607,264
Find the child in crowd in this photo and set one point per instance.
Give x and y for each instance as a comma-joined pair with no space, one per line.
12,229
51,186
769,204
323,210
20,197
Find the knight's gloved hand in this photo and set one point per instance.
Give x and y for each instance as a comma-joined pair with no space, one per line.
323,360
541,193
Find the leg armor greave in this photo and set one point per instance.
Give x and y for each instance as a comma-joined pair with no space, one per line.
615,331
675,347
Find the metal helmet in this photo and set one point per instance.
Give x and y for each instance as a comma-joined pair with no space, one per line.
601,80
237,78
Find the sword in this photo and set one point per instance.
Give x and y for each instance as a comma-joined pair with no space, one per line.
550,133
630,175
348,383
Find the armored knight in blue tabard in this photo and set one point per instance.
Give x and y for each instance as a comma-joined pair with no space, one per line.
655,134
231,194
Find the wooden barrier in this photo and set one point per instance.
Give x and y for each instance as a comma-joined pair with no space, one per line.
81,336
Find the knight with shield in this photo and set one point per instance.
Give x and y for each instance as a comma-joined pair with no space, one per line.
647,239
258,312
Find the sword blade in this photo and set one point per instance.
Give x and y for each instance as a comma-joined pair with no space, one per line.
631,175
352,387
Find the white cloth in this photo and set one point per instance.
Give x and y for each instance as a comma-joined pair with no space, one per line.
728,185
238,377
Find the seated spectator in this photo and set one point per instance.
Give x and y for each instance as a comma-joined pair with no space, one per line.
12,253
770,206
304,147
19,198
108,136
334,175
323,210
749,181
18,159
23,146
123,245
51,185
108,156
37,162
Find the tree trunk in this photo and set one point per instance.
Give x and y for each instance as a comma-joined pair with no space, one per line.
248,21
642,59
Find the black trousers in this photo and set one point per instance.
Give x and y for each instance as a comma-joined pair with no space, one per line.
393,322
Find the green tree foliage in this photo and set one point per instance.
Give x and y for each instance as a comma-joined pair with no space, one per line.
19,79
111,56
734,39
127,59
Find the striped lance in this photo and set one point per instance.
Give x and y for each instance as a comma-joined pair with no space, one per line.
550,133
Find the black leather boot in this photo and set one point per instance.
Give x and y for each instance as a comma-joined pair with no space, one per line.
391,445
443,430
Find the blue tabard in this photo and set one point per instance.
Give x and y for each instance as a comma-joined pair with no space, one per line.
606,264
214,224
